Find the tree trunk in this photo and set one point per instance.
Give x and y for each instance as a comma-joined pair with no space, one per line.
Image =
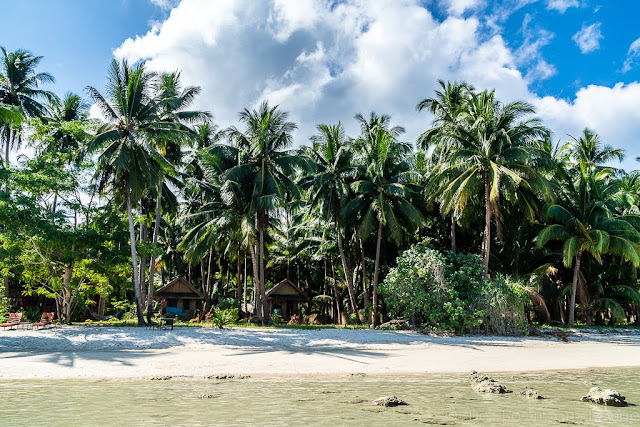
152,262
10,137
345,265
453,233
374,317
574,288
134,258
486,238
256,285
244,294
365,288
336,295
239,274
265,312
207,290
66,293
143,263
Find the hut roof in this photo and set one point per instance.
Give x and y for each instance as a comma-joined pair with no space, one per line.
178,288
287,290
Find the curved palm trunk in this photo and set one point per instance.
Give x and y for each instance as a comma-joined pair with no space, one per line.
365,288
134,258
345,266
207,290
376,272
152,262
486,238
574,288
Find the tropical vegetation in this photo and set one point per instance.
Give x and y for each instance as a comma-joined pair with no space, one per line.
483,224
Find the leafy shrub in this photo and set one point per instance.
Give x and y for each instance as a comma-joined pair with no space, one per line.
4,305
223,317
445,291
505,299
277,318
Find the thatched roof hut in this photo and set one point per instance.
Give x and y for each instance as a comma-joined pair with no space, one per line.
179,297
285,299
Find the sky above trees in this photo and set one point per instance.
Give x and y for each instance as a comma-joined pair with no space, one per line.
577,61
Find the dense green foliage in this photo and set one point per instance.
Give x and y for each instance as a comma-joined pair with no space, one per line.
446,291
106,211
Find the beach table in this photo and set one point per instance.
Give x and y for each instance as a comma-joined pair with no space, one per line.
165,322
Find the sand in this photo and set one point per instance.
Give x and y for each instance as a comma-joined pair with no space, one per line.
123,352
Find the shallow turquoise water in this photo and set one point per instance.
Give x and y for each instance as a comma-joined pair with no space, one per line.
337,401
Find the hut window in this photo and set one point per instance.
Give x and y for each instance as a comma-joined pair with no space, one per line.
186,304
172,303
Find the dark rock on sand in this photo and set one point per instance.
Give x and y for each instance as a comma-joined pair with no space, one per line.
531,394
227,377
605,397
484,384
389,401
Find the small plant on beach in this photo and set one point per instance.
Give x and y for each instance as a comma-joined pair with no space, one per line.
223,317
277,319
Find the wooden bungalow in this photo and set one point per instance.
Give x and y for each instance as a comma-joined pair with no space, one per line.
179,297
285,299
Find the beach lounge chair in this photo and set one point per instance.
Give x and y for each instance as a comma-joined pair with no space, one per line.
13,321
45,320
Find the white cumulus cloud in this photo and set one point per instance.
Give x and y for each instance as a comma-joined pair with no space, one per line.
562,5
325,61
588,38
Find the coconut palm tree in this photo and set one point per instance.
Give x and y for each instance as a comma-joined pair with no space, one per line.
491,155
447,107
385,197
175,100
329,179
20,87
589,150
128,158
584,219
269,167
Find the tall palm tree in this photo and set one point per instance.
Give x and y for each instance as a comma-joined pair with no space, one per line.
268,166
447,108
175,100
329,179
128,158
20,87
589,150
584,220
385,196
491,156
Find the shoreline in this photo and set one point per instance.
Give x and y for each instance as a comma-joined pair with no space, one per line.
78,352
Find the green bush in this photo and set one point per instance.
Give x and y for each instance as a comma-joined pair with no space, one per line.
445,291
223,317
277,318
4,306
505,299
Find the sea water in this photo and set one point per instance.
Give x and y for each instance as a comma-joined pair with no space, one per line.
324,401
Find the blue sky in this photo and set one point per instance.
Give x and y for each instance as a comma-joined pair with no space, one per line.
325,61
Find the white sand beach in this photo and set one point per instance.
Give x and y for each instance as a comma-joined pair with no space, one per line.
127,352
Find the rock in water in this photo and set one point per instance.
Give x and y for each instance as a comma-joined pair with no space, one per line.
605,397
389,401
531,394
484,384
